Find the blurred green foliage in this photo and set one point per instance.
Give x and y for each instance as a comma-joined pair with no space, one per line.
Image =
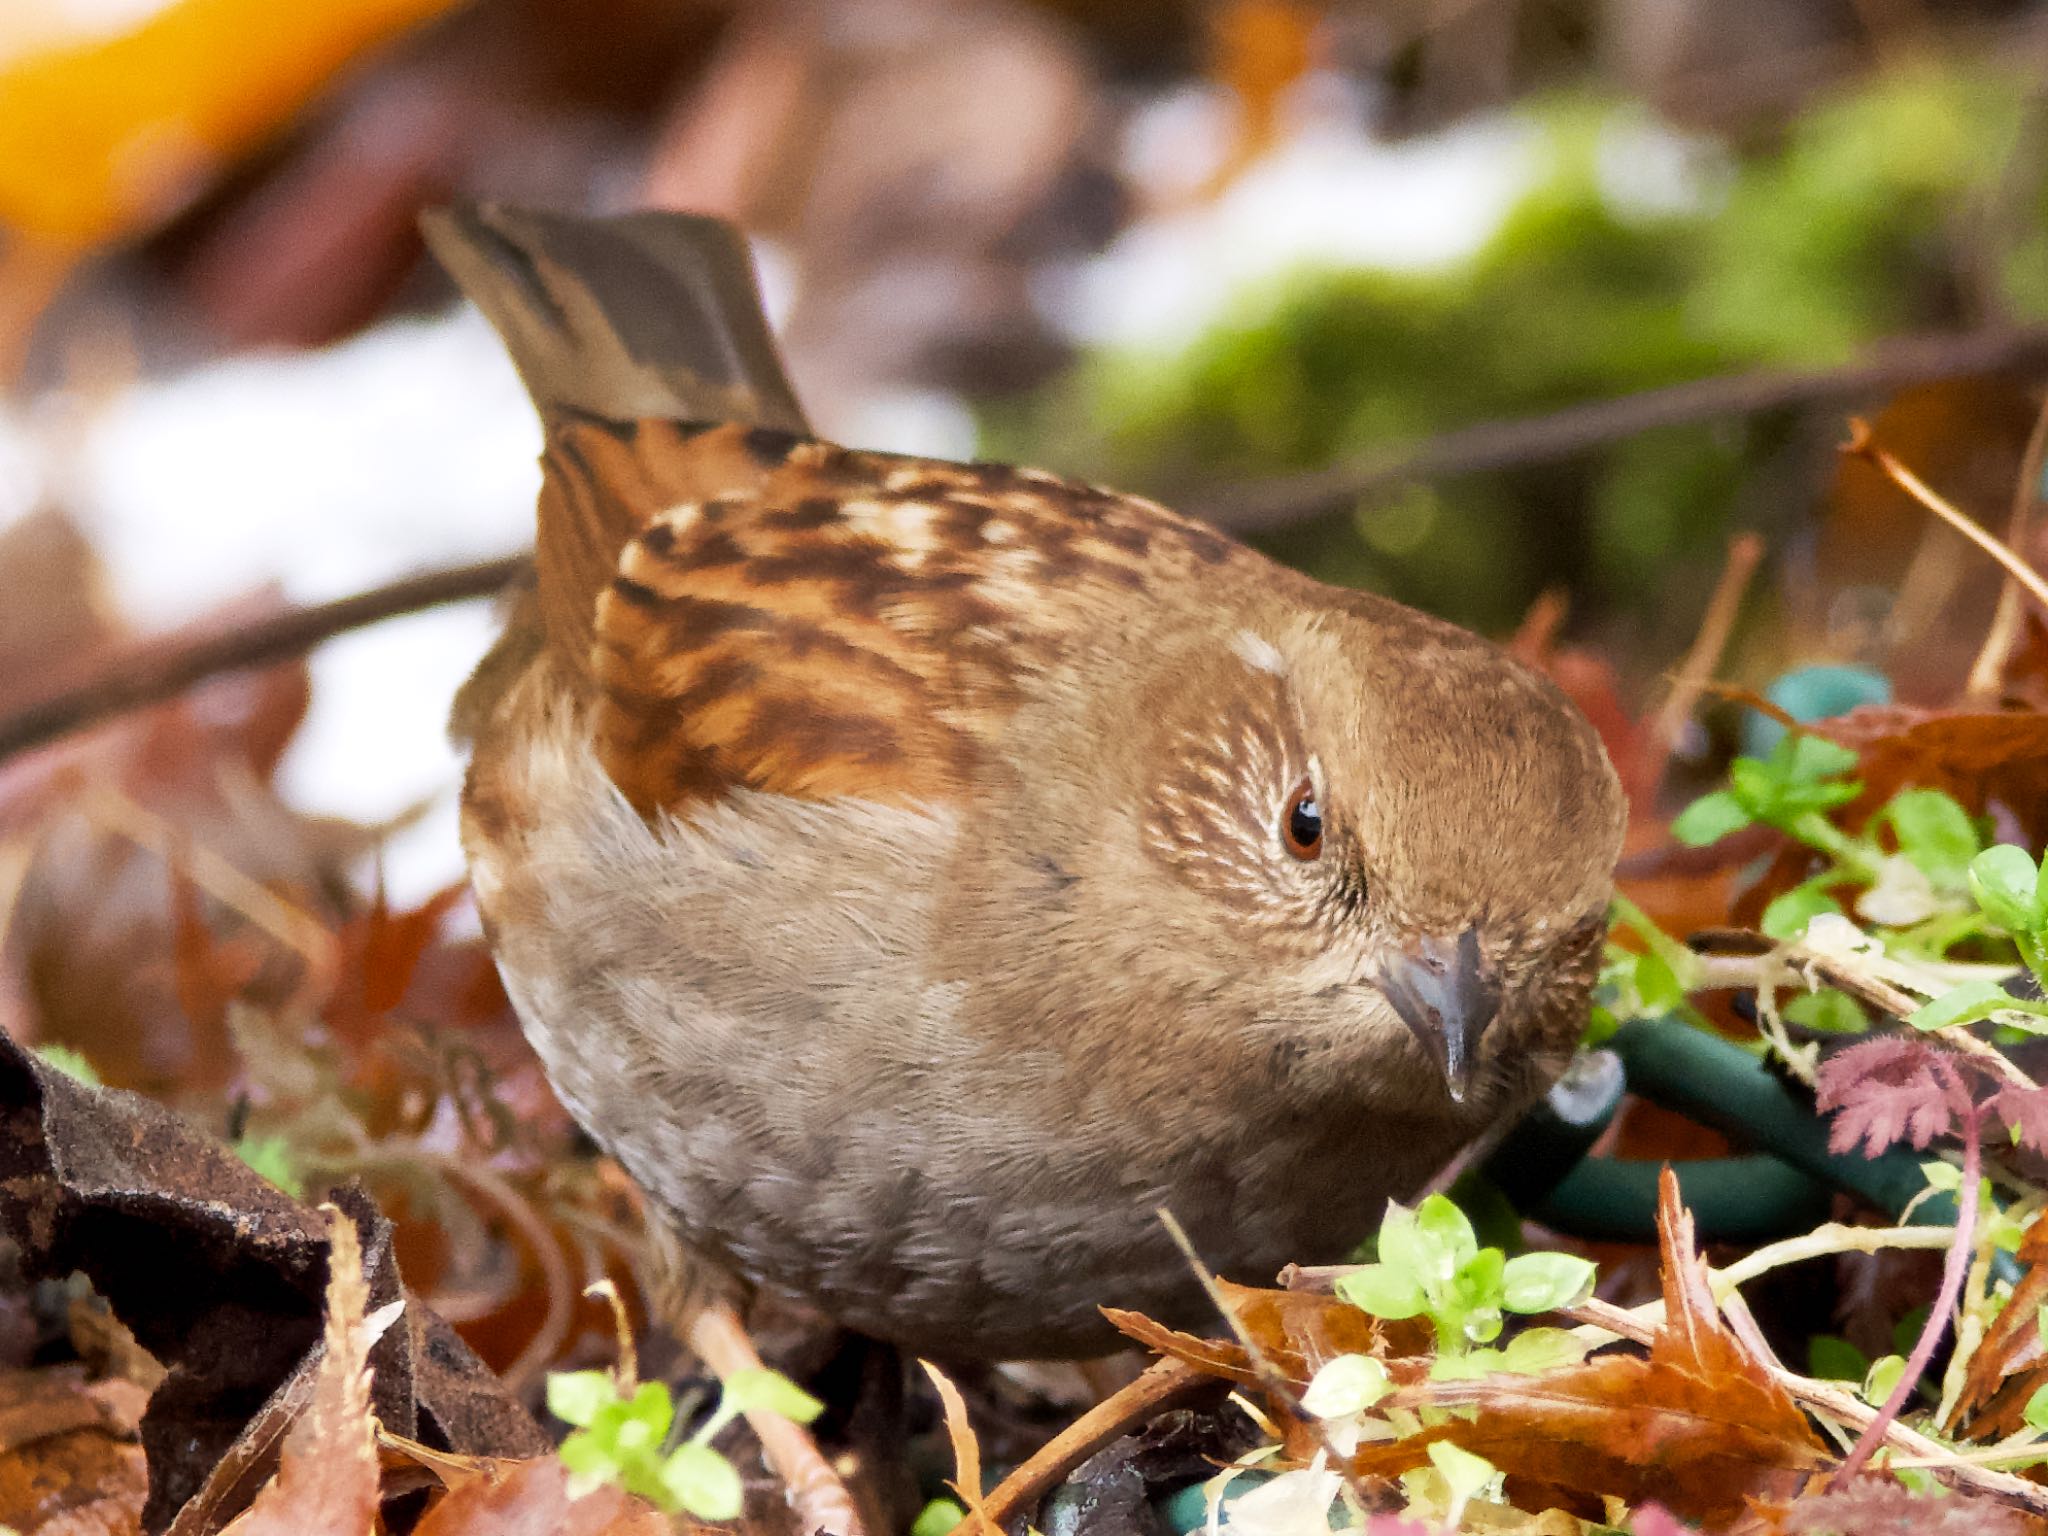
1912,202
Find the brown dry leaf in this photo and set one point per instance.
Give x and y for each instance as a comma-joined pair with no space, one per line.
2010,1363
967,1482
1299,1331
531,1498
218,1274
209,973
1983,759
328,1477
1295,1331
1218,1357
1700,1425
393,944
69,1452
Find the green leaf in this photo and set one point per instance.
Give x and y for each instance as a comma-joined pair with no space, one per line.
1942,1176
2036,1412
1467,1365
755,1390
1542,1282
1756,787
1449,1243
1797,798
271,1156
1920,1480
1347,1384
1788,913
1935,832
1657,985
647,1416
574,1397
1398,1244
937,1518
1812,758
1383,1291
1535,1350
1882,1379
70,1062
1833,1358
588,1460
703,1482
1470,1309
2006,885
1465,1474
1827,1009
1709,819
1964,1004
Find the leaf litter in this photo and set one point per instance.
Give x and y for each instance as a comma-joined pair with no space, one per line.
378,1363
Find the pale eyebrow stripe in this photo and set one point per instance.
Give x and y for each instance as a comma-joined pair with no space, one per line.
1258,653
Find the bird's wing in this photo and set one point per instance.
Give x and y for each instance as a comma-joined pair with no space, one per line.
744,605
852,623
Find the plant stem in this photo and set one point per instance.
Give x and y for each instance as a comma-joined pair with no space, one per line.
1857,859
1953,1269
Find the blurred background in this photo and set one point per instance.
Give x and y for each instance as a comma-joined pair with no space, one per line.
1359,279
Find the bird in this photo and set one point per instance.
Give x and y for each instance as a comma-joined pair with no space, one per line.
919,874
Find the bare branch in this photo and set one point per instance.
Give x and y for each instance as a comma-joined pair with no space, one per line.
1493,445
150,674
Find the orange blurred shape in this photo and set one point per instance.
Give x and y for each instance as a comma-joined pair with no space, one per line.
105,134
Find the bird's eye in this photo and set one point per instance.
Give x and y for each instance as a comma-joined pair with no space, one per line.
1301,822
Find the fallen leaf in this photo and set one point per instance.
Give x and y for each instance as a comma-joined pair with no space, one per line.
1700,1425
2009,1363
69,1455
327,1478
219,1275
531,1498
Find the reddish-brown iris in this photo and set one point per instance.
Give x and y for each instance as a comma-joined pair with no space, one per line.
1301,822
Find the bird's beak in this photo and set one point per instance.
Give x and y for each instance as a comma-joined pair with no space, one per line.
1446,994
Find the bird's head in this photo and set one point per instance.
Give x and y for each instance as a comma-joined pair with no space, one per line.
1407,837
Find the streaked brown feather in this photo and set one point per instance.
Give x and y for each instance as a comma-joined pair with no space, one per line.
791,616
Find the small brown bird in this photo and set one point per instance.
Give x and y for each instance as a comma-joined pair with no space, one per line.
917,874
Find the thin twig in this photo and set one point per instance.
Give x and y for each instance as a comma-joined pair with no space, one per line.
1493,445
1164,1383
1862,446
1751,971
1745,550
1987,673
115,812
818,1496
152,673
1269,1374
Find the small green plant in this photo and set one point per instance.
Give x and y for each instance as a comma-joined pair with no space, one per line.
1919,886
623,1434
2011,894
1431,1265
272,1157
70,1062
1633,984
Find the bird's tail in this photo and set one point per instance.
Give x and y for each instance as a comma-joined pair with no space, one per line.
642,315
